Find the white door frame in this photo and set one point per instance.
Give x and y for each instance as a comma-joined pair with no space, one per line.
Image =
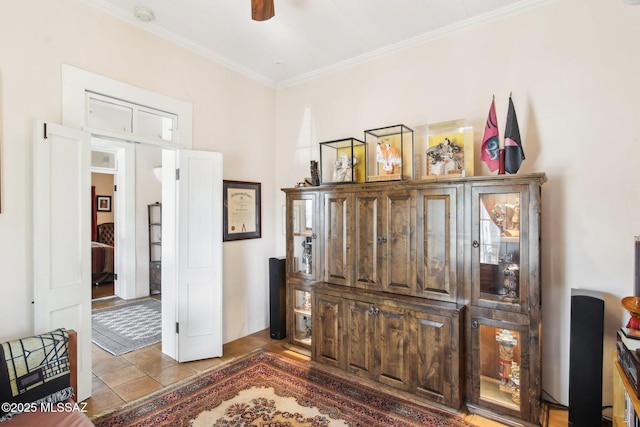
75,85
124,215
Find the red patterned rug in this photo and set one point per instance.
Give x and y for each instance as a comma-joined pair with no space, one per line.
266,389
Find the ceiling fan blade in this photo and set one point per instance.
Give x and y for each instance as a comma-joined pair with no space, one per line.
261,10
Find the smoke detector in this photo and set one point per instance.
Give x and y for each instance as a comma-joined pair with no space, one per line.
143,14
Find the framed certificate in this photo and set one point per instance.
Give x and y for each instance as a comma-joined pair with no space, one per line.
241,212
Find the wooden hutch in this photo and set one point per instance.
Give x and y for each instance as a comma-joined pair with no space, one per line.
431,287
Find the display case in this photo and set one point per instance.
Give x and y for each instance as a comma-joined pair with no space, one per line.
448,150
502,370
390,154
155,248
501,283
302,236
505,331
343,161
300,326
303,268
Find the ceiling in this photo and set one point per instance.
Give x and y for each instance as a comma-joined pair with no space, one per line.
306,38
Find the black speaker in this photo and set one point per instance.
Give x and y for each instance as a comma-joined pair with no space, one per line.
585,358
277,298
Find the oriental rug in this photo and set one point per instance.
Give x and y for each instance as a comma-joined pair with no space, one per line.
267,389
126,327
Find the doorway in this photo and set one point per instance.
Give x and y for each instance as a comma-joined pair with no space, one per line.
102,235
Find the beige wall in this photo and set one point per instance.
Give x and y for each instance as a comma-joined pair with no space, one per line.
573,68
232,114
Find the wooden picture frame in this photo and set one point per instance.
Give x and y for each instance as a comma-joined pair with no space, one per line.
242,216
103,203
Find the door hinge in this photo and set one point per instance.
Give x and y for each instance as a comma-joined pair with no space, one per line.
45,131
115,188
177,174
177,328
115,276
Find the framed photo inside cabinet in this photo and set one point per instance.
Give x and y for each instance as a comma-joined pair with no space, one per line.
448,151
241,210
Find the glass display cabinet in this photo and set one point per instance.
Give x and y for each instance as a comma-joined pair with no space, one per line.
301,313
389,154
302,236
303,266
505,330
500,255
502,369
343,161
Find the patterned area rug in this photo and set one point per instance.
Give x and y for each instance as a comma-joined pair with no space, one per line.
266,389
127,327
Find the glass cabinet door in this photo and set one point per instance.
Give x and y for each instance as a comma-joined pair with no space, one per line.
301,333
499,255
301,237
500,370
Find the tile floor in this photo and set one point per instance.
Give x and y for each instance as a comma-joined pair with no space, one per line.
118,380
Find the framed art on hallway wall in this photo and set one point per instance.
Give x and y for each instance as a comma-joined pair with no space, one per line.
103,203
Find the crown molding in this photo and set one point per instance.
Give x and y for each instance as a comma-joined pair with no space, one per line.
320,72
412,42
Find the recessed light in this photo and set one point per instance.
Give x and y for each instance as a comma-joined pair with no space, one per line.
143,14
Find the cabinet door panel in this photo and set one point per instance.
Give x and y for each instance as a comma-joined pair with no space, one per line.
392,351
503,239
366,249
327,327
336,242
437,365
397,247
357,338
303,253
439,219
501,368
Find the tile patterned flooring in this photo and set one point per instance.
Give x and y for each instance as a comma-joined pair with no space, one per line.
118,380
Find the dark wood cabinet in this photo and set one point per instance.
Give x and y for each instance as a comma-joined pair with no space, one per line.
407,343
431,287
440,227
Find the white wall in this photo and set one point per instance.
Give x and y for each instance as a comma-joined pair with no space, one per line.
232,114
572,66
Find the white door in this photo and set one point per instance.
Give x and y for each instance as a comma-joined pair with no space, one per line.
62,253
192,236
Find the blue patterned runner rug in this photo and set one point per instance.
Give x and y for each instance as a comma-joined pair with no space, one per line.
127,327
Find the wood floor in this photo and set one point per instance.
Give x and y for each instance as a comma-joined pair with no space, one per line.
118,380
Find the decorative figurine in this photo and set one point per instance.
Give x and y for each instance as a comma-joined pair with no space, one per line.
315,177
445,158
507,341
510,270
306,255
388,155
344,168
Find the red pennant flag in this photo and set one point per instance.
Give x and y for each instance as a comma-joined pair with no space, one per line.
513,152
490,144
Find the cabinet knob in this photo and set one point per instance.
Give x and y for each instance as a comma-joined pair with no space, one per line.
382,239
475,244
314,235
373,311
474,324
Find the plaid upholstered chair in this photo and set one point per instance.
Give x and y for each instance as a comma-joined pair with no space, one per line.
106,233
